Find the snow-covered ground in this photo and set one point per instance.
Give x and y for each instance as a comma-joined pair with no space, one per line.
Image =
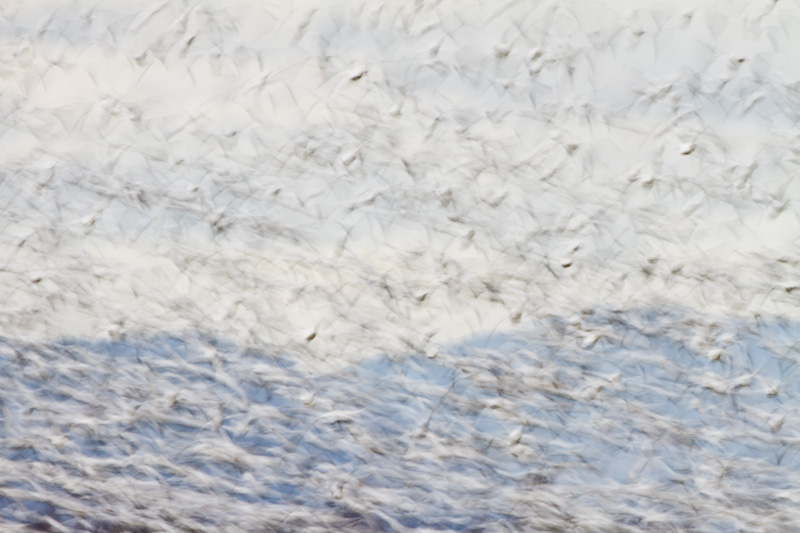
399,266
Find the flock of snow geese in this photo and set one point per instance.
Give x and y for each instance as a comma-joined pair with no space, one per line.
437,265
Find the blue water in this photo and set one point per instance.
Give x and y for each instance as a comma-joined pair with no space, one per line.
499,431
